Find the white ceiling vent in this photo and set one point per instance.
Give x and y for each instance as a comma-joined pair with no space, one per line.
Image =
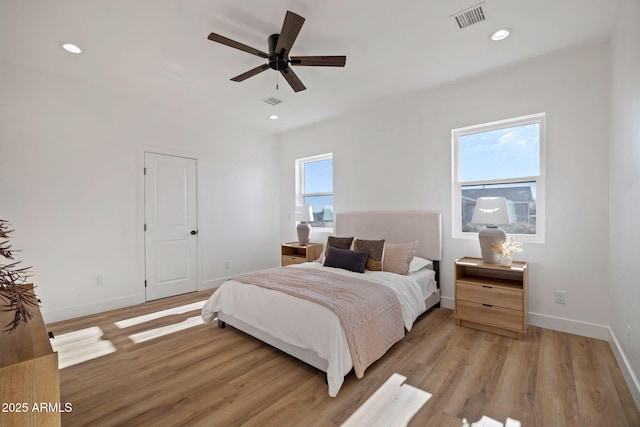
272,101
470,16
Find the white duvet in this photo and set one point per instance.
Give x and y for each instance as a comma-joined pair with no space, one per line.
305,324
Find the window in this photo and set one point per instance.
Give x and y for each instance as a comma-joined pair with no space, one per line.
314,186
501,159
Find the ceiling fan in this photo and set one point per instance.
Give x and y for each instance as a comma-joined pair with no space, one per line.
278,57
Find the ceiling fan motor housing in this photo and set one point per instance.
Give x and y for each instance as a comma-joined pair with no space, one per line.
276,61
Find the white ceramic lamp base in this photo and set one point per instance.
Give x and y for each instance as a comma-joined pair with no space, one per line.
488,237
304,229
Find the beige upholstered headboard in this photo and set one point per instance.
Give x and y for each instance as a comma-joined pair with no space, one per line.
396,227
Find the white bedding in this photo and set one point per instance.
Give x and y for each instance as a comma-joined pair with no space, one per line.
426,278
308,325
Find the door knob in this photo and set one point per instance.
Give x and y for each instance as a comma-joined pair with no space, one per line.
193,232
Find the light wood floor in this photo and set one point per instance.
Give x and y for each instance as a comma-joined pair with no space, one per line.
206,376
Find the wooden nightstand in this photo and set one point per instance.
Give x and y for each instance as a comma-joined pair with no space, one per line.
293,253
491,297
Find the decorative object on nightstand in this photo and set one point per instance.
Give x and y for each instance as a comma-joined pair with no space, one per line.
304,215
506,248
491,297
491,211
295,253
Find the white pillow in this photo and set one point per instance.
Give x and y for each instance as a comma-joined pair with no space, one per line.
418,263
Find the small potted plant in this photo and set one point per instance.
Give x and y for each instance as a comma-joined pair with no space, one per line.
14,296
506,248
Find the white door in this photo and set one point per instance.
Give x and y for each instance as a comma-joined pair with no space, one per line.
170,225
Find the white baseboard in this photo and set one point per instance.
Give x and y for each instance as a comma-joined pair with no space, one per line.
215,283
584,329
66,313
627,371
212,283
447,302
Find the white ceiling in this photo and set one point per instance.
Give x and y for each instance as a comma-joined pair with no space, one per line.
158,49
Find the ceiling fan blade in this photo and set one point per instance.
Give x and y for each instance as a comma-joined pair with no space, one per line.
290,29
318,61
293,80
251,73
237,45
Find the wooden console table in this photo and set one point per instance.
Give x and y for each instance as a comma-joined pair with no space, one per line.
29,374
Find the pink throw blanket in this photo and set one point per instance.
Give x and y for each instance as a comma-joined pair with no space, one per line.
369,313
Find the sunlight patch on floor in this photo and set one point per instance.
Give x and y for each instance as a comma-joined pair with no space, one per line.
391,405
166,330
86,344
79,346
159,314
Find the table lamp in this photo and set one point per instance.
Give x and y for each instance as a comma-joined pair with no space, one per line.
491,211
304,215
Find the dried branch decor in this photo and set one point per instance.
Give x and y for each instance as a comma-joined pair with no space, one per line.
13,296
508,247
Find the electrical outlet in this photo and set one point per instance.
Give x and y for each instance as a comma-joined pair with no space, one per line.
628,335
561,297
227,265
99,280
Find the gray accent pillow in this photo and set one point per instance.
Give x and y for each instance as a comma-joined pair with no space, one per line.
375,249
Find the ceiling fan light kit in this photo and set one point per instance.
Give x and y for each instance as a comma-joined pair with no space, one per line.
278,58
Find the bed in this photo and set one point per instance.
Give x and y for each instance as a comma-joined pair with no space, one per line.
313,332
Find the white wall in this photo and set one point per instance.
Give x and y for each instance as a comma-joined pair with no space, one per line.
70,185
397,156
624,292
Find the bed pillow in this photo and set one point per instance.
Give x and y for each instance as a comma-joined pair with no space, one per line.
335,242
375,249
338,242
418,263
346,259
398,256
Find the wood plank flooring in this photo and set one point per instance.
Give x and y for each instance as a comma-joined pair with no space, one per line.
206,376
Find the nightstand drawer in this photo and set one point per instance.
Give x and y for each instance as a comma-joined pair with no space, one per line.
288,260
488,294
490,315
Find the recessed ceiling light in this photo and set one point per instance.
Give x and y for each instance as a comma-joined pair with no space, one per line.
70,47
501,34
274,117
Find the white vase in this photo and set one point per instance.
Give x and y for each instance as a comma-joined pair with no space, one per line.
506,261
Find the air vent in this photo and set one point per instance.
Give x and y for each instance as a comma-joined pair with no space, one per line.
272,101
470,16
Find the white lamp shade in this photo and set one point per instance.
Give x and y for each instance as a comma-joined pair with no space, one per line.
303,213
491,210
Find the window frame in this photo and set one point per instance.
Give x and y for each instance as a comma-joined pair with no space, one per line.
457,184
300,190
